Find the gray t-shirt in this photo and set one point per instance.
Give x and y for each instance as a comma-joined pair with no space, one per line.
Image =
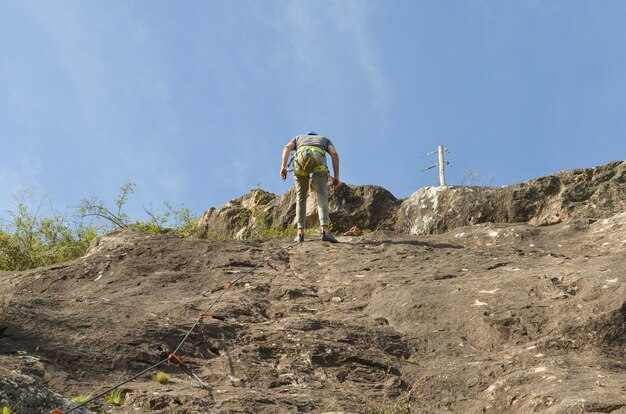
317,140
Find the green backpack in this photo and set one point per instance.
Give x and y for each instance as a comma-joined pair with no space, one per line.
309,159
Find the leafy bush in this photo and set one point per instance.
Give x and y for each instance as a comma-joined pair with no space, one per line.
181,221
30,240
94,207
172,220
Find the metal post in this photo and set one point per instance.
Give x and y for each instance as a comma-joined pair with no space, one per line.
440,164
442,177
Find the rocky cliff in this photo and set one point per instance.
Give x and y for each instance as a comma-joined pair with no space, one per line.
596,193
368,207
585,193
486,318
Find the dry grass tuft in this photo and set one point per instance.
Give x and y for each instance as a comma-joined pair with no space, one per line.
405,403
115,397
80,399
161,377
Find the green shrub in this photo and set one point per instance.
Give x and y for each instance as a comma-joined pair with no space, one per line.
178,221
30,240
116,217
181,222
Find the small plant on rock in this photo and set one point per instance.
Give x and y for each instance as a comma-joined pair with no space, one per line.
161,377
80,399
114,397
6,410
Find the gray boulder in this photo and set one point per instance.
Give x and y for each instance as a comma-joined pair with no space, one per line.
26,394
594,193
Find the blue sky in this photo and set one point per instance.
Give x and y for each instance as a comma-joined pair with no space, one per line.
194,100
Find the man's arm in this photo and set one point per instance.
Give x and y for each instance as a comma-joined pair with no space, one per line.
334,156
283,167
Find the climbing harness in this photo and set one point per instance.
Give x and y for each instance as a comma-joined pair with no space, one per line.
309,159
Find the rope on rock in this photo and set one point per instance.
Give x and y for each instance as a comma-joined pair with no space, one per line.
172,358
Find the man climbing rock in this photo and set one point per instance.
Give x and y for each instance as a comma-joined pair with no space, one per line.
309,162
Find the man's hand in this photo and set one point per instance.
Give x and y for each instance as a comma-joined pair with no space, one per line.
335,157
283,169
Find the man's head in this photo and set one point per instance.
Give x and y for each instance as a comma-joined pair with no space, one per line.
311,133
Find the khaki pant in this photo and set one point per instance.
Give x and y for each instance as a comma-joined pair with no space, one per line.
320,184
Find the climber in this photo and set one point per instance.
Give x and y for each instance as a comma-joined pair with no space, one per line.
310,161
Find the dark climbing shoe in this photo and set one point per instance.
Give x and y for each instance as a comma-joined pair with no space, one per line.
329,238
299,238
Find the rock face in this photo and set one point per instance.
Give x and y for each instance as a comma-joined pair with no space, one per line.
487,319
368,207
585,193
595,193
25,394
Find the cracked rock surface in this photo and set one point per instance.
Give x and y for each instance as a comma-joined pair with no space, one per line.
482,319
